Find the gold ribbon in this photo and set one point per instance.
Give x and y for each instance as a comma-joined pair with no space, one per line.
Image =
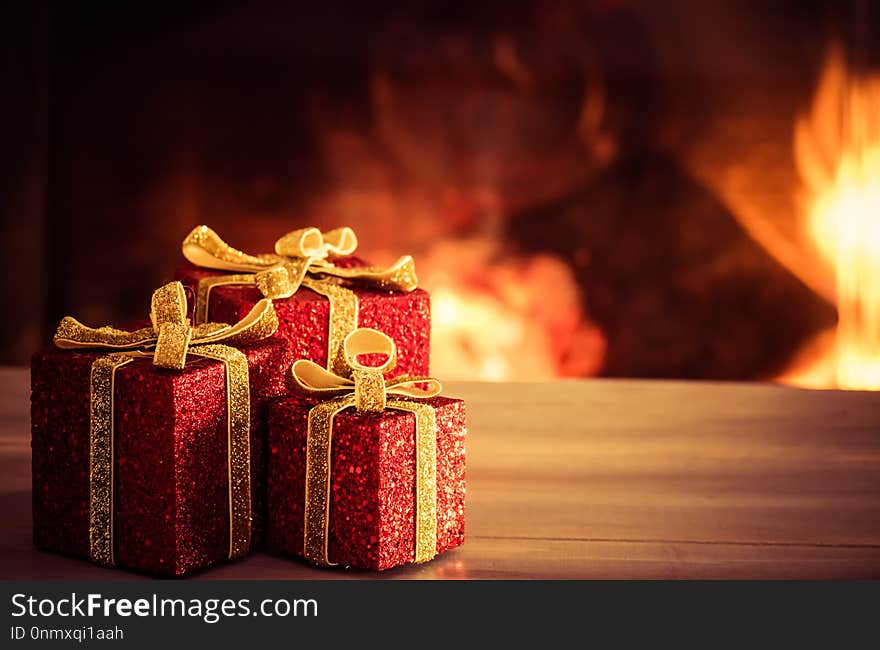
365,388
167,342
302,258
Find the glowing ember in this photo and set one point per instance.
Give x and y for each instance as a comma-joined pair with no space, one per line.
837,149
505,319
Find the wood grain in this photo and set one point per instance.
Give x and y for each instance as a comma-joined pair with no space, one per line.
603,479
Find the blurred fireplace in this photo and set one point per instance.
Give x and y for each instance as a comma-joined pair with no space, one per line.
589,188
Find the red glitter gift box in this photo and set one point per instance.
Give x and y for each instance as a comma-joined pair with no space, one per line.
306,275
372,507
170,502
303,319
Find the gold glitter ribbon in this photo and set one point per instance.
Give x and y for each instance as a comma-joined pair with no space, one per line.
167,342
365,388
302,258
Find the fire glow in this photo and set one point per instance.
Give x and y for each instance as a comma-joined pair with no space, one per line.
837,151
506,318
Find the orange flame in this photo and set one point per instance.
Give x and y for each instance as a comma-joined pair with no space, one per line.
837,151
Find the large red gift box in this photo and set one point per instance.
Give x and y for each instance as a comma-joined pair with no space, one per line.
372,482
171,493
304,318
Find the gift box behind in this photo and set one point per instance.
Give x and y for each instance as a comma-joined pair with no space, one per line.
171,499
304,318
372,488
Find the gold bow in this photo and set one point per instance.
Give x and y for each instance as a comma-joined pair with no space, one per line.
167,341
170,336
299,256
302,258
367,390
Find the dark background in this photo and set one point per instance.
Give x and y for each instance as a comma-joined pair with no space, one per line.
125,125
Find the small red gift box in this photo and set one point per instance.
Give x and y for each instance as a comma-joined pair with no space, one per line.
320,292
171,483
389,495
372,507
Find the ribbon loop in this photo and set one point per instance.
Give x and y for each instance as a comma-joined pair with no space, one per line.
168,305
306,242
367,383
369,341
312,243
340,241
173,331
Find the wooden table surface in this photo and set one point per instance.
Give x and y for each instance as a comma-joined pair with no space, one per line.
602,479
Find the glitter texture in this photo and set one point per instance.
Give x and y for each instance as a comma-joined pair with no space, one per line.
317,484
101,454
237,444
70,329
369,390
204,240
426,477
342,318
304,318
374,520
170,458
